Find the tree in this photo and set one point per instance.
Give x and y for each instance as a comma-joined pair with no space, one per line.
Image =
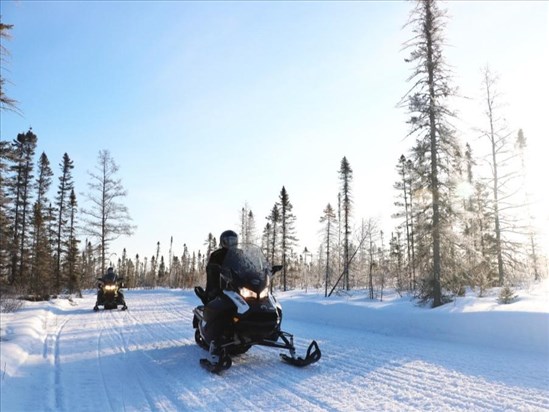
521,145
247,225
287,233
42,264
404,187
211,244
23,151
7,157
427,104
72,248
272,230
346,176
503,176
329,220
107,219
66,186
6,103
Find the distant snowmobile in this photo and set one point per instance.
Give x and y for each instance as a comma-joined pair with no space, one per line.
110,294
251,315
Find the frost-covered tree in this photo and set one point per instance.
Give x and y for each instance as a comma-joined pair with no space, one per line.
436,145
521,146
507,230
346,177
247,225
329,220
405,213
107,218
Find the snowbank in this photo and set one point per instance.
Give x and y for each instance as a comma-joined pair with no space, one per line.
522,325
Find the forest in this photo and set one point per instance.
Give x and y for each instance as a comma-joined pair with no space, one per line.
464,215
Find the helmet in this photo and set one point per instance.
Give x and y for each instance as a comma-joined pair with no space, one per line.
228,239
110,276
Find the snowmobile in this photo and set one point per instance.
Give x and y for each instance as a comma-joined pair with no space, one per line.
110,294
250,314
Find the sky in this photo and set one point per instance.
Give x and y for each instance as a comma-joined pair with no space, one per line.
470,355
208,107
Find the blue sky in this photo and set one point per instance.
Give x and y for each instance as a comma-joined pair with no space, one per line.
207,106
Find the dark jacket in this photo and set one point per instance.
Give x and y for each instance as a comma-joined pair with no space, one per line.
213,272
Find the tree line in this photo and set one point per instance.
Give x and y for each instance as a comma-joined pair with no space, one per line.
40,236
462,212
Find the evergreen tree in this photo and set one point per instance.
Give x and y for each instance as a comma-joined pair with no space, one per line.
436,147
273,230
62,201
72,248
329,220
287,232
7,157
346,176
405,202
42,253
211,244
23,149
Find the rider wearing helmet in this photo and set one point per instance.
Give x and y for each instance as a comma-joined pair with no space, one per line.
217,306
227,240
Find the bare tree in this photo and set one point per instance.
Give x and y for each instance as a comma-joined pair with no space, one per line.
107,219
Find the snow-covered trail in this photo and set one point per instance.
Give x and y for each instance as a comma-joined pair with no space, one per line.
146,359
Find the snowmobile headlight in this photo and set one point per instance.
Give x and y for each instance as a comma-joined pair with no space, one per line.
264,293
110,288
247,293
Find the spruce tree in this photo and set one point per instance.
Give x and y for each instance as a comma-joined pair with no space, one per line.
287,232
329,219
23,148
72,248
62,202
346,177
42,264
436,146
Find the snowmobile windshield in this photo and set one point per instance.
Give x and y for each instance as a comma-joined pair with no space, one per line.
109,277
246,266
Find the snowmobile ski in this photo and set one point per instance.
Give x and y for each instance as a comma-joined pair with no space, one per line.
224,363
313,355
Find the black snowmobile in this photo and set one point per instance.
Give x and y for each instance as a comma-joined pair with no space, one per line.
110,294
250,315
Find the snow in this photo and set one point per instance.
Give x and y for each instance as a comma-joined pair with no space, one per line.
472,354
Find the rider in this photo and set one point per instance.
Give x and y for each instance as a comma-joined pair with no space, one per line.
227,240
217,307
110,276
